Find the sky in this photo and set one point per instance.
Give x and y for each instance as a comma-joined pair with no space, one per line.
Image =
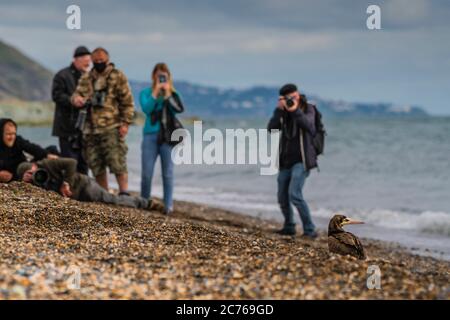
323,46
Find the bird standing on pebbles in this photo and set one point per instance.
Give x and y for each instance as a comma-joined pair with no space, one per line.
343,242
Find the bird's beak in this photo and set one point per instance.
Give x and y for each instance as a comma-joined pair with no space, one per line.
351,221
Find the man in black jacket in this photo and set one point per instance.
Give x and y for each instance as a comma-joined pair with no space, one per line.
64,84
12,148
295,117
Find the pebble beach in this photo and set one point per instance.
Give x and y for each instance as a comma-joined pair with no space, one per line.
56,248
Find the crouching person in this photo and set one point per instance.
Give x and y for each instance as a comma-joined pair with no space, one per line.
13,148
61,176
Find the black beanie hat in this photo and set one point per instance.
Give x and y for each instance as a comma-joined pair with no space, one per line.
81,51
288,89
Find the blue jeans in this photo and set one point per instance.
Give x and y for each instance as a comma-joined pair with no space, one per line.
290,185
150,151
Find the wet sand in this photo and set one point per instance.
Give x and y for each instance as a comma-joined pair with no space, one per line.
48,243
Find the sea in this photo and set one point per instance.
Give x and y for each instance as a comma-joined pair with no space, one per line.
391,173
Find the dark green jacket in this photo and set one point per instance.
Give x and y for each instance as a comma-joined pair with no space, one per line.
64,170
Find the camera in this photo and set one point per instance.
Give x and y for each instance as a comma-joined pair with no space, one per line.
40,177
290,102
82,115
162,78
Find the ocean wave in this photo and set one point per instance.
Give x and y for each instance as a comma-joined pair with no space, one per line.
426,222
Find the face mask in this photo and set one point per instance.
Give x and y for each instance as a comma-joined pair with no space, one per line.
100,66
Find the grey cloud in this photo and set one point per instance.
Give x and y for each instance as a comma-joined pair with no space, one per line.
324,45
213,15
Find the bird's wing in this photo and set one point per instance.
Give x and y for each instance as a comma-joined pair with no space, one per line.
346,243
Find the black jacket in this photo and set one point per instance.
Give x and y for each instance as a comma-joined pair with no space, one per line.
168,120
64,84
10,158
297,132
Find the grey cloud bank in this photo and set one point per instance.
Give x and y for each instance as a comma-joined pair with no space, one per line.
323,45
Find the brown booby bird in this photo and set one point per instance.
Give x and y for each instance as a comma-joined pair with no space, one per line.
343,242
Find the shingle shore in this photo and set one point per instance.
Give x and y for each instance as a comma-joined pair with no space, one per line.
48,243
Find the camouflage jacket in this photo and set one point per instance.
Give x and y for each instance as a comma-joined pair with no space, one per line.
117,105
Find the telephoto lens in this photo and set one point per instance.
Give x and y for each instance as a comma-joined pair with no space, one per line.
289,102
40,177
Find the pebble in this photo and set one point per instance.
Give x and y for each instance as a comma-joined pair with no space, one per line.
48,245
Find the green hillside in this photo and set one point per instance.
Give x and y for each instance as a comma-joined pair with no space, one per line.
21,77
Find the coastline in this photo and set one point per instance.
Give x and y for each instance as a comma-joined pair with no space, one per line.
198,253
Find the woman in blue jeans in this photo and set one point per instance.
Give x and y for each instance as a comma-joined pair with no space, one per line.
159,102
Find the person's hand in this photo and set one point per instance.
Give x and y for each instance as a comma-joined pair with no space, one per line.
281,103
156,90
65,190
52,156
5,176
123,130
166,87
161,89
79,101
293,108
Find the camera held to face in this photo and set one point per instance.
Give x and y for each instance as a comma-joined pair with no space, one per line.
40,178
290,101
162,78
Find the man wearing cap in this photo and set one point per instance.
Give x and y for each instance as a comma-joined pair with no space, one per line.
295,118
66,114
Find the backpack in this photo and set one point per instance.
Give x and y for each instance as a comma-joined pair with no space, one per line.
319,138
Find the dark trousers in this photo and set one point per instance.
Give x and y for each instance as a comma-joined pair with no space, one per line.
93,192
67,151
